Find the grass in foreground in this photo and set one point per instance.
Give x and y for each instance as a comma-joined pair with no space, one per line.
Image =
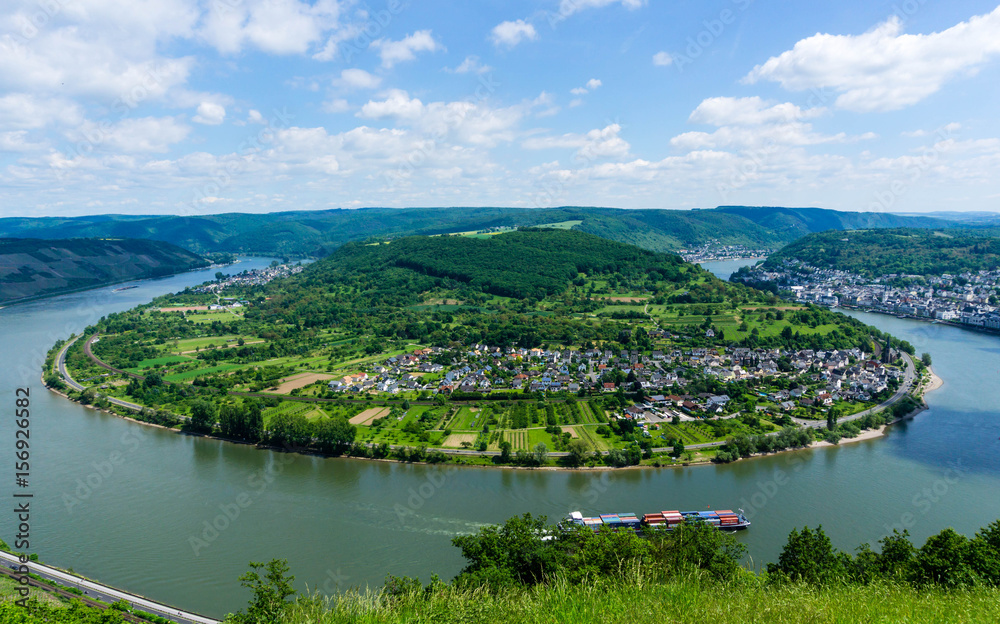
681,601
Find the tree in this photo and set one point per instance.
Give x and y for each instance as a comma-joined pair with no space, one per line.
219,275
808,556
578,451
202,415
942,560
270,592
678,448
925,358
507,555
505,452
540,453
335,434
831,419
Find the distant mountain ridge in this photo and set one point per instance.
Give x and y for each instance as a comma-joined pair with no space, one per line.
317,233
31,268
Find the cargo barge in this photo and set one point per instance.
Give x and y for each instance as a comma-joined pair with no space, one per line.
724,519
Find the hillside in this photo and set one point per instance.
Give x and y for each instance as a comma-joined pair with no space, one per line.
32,268
512,345
316,233
898,250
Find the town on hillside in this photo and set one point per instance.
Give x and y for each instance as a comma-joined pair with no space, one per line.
968,299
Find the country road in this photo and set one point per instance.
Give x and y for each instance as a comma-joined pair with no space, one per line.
107,594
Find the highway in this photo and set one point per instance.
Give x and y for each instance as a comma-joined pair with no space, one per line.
107,594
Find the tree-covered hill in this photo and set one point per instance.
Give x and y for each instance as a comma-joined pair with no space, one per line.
31,267
529,263
317,233
898,250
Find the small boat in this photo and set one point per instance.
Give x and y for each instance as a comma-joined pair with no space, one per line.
125,288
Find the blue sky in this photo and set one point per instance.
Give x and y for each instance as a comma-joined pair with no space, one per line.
204,106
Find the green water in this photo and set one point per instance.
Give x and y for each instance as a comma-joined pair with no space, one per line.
141,524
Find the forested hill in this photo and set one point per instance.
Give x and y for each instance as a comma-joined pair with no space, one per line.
900,250
317,233
32,268
523,264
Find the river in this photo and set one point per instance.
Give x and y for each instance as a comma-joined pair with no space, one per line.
145,523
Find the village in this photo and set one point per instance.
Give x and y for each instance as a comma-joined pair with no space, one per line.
968,299
253,277
802,382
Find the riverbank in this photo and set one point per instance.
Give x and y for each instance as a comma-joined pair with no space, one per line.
934,383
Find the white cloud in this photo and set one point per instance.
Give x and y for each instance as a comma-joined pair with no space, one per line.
397,104
883,69
602,143
392,52
569,7
592,84
146,134
16,141
722,111
471,64
510,34
662,59
23,111
210,114
275,26
461,122
751,123
357,79
336,106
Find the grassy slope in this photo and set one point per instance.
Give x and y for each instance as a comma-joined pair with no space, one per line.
676,602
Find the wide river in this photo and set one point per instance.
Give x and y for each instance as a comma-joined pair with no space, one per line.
145,523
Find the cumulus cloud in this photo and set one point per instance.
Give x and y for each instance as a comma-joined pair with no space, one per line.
509,34
569,7
884,69
393,52
210,114
592,84
472,65
146,134
357,79
598,143
751,123
662,59
275,26
721,111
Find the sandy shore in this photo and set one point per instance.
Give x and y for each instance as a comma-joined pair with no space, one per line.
868,434
935,382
